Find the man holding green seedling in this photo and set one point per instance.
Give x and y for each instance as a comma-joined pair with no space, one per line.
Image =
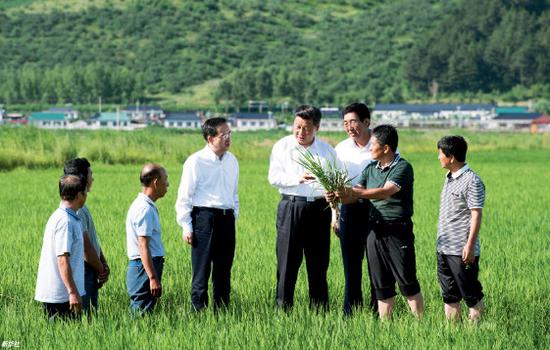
460,210
388,184
303,214
207,208
60,279
144,241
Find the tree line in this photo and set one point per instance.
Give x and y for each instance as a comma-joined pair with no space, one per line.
70,84
295,51
484,46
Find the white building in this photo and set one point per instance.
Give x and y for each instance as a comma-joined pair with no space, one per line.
144,114
331,119
112,120
245,121
183,120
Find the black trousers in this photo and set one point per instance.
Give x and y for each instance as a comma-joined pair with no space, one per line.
392,258
353,240
459,281
59,311
303,229
213,251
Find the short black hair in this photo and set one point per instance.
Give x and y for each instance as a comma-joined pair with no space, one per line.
210,126
359,108
77,166
453,145
386,135
308,112
70,186
149,173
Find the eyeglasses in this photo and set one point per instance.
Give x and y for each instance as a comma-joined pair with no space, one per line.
351,123
225,136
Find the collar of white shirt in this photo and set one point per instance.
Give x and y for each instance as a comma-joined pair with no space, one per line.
314,144
460,171
211,155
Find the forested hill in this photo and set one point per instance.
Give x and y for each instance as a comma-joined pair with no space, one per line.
325,52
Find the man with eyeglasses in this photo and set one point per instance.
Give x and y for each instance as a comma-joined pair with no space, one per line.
303,215
207,208
354,154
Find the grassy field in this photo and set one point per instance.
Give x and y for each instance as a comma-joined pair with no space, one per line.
515,260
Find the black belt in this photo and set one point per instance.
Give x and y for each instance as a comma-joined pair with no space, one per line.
216,210
396,222
302,198
155,258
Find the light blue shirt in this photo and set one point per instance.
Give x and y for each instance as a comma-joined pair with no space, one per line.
143,220
63,234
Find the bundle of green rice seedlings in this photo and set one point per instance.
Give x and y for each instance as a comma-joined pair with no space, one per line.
329,175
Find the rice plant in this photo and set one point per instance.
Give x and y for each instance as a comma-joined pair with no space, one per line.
328,174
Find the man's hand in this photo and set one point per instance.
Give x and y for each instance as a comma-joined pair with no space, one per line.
468,254
330,196
306,177
336,229
104,276
156,287
75,302
187,237
345,195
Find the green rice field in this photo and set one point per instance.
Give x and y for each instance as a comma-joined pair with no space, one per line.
514,265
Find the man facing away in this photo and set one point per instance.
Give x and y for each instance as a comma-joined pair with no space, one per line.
460,211
354,154
144,243
96,269
388,184
207,208
303,215
60,279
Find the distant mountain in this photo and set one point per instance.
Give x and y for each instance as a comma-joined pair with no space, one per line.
231,51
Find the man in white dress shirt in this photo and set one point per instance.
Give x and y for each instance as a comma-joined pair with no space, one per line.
60,279
354,154
303,215
207,208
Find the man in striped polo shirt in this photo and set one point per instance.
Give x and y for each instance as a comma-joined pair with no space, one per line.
462,199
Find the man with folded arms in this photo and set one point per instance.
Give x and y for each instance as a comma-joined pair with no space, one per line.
303,215
143,238
207,208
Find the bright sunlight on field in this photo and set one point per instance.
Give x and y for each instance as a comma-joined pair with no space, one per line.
514,265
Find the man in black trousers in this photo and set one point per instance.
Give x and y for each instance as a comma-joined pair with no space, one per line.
206,208
354,154
303,215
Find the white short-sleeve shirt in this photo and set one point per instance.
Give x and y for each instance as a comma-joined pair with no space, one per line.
143,220
63,234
